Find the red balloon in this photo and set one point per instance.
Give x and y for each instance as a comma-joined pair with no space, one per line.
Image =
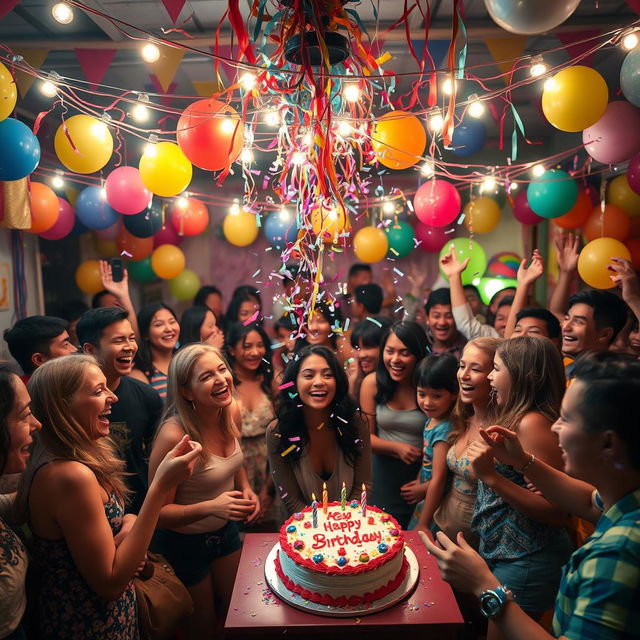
633,244
191,219
211,134
437,203
133,247
432,239
578,215
522,212
64,223
167,235
614,223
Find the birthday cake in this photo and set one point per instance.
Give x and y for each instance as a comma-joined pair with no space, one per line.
343,558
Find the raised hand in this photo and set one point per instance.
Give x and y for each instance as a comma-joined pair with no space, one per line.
624,276
481,457
528,275
450,264
178,464
119,289
567,252
505,446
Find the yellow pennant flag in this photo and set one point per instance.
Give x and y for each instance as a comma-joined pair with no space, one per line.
34,57
206,88
166,66
505,51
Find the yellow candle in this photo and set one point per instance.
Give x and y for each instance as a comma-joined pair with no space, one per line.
325,498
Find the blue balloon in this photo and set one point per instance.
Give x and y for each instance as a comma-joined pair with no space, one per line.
630,77
19,150
93,211
468,137
280,228
144,224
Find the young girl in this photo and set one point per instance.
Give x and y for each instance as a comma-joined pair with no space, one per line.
159,332
199,324
245,304
198,532
437,391
388,400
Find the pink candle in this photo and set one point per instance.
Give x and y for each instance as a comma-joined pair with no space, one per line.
363,501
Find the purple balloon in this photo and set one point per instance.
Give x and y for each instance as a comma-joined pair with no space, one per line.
167,235
633,173
432,239
522,212
64,223
616,136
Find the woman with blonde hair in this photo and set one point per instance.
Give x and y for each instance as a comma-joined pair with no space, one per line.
72,497
198,531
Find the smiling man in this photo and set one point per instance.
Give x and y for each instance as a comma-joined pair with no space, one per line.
444,336
106,333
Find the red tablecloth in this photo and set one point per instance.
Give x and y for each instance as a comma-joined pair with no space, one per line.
429,612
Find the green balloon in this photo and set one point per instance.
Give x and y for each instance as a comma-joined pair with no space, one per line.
466,248
553,194
185,286
400,236
140,270
488,287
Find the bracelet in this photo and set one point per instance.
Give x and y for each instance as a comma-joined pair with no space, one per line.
528,463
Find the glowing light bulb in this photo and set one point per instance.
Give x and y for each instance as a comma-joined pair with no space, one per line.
448,86
182,202
513,186
344,128
388,207
103,194
550,84
307,139
284,215
427,169
488,184
537,69
298,158
62,13
150,52
234,209
246,156
538,170
333,214
140,113
272,118
48,89
57,182
476,109
351,92
248,80
630,41
150,150
436,123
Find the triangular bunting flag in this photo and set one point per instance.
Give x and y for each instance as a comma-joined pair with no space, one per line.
173,7
437,48
6,6
206,88
34,57
574,43
504,51
94,63
166,66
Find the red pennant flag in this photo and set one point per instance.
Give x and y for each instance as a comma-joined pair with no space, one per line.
173,7
94,63
572,42
6,6
165,100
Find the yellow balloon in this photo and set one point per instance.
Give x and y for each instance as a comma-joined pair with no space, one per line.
92,140
8,93
595,258
370,244
240,228
167,261
105,248
575,98
398,140
330,223
88,277
164,169
623,196
482,215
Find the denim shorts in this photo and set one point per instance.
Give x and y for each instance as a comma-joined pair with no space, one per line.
191,554
534,579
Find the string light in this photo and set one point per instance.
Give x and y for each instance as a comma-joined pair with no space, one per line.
513,186
333,214
48,89
248,81
388,207
103,194
344,128
62,13
537,170
427,169
140,113
57,182
298,158
246,156
234,209
488,184
284,215
272,118
150,52
538,67
182,202
436,122
476,108
448,86
630,41
351,92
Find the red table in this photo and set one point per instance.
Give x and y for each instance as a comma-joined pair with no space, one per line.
256,612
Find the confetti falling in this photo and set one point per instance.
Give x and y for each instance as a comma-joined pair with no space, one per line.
288,451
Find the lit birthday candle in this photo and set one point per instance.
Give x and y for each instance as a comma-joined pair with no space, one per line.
325,498
363,501
314,511
343,497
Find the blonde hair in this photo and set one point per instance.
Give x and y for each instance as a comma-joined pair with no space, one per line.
462,412
537,379
182,410
52,387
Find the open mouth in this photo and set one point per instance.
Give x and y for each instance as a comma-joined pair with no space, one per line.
318,395
396,370
103,418
125,361
569,339
466,388
221,393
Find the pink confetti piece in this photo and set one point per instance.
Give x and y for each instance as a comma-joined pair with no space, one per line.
253,318
126,253
286,385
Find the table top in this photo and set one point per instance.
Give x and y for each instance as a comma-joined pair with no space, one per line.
255,609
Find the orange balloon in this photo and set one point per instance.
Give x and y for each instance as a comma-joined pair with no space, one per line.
578,215
595,258
132,247
167,261
88,277
482,215
330,223
398,140
44,207
633,244
614,223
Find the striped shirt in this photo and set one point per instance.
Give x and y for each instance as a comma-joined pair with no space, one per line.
158,381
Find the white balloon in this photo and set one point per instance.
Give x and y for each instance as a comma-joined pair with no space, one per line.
529,17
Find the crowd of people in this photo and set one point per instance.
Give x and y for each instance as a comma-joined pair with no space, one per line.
505,435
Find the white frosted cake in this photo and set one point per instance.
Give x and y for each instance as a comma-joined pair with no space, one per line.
346,559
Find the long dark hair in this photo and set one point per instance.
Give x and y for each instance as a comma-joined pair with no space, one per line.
343,412
413,337
332,315
191,323
145,316
237,333
243,293
7,400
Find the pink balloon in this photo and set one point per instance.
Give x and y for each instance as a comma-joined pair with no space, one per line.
168,235
64,223
522,212
633,173
126,192
437,203
616,136
110,233
432,239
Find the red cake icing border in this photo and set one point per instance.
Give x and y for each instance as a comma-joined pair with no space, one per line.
342,601
322,567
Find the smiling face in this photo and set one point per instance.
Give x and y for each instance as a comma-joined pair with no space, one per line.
474,301
319,330
90,405
22,423
528,326
579,331
441,324
61,346
500,322
116,350
634,341
398,360
473,371
435,403
316,383
367,357
164,330
211,383
500,380
210,332
249,352
248,309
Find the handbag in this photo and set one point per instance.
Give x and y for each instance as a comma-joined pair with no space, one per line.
163,601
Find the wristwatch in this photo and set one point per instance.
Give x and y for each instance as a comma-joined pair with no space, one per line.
492,601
